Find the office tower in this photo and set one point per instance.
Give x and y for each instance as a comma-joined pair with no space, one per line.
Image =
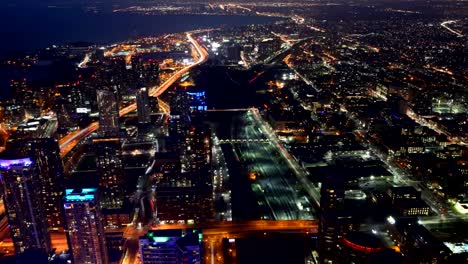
177,201
83,220
23,202
173,246
137,67
108,113
116,71
184,188
110,171
63,115
198,160
35,139
152,72
406,201
180,102
49,164
143,106
330,225
180,112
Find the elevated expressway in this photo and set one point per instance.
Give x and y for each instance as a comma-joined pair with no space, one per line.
68,142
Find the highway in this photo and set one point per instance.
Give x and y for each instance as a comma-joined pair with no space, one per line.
68,142
215,232
131,232
164,107
445,25
85,61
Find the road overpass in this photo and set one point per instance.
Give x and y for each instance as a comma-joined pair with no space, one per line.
215,232
68,142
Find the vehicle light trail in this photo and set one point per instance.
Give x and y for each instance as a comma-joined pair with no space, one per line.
444,25
68,142
86,59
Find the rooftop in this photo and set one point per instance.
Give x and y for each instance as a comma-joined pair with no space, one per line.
7,163
80,195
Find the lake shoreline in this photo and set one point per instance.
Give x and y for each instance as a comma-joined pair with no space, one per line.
37,31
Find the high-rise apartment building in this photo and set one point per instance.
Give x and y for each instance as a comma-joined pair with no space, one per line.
330,225
143,106
184,189
24,206
110,171
108,113
49,163
180,112
85,233
151,72
35,139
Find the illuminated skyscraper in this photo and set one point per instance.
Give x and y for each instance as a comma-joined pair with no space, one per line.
23,201
143,106
110,171
152,72
334,221
331,203
137,66
85,233
108,113
49,163
180,112
184,190
35,139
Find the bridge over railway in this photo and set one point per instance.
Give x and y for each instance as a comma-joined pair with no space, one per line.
215,233
244,140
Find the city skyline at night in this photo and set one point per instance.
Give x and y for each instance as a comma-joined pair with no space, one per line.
318,132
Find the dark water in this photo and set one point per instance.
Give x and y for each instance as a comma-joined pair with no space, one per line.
29,27
32,27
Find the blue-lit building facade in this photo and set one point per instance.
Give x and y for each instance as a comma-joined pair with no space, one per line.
35,139
173,246
85,233
197,100
23,201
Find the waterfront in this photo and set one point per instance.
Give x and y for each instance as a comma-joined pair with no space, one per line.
38,27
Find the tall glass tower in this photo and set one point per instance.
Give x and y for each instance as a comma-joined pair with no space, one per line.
85,233
23,201
108,113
